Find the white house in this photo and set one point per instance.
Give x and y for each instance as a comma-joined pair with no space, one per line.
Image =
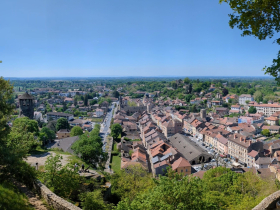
245,97
99,112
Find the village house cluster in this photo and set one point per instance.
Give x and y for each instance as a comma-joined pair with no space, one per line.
157,136
158,132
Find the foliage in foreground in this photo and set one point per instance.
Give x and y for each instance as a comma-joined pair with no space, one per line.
219,189
12,199
15,143
67,183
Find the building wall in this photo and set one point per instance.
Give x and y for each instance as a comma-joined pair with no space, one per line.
26,108
268,111
62,135
223,149
185,170
56,117
251,161
242,100
161,170
237,151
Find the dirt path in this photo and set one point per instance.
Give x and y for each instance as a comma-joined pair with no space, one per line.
41,159
33,199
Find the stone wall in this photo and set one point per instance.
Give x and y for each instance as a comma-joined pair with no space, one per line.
52,199
269,202
109,151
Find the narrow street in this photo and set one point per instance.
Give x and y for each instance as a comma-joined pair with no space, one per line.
105,126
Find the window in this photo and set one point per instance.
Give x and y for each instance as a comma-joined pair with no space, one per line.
181,170
186,170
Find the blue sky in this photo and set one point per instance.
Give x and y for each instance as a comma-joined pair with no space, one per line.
57,38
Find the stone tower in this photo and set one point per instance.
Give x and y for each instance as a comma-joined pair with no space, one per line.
26,106
203,113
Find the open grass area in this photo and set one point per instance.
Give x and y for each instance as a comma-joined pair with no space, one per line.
116,163
98,120
115,147
38,151
273,137
115,159
131,103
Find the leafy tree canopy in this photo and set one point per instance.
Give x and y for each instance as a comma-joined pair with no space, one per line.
259,18
76,131
28,124
252,110
62,123
89,146
116,130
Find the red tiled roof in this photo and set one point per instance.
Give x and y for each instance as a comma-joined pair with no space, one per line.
181,162
253,153
199,174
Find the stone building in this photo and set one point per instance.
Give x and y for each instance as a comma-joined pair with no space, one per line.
240,146
26,106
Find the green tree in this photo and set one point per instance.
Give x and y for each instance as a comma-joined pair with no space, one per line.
52,166
127,183
76,131
252,110
116,130
258,96
190,88
62,123
174,85
10,199
51,125
115,94
63,180
93,201
225,92
21,138
86,100
46,134
14,144
187,80
193,108
64,108
188,98
259,19
30,125
265,132
89,147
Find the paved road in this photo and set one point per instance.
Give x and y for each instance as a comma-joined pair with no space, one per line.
106,124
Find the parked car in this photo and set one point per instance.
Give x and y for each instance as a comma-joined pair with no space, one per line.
213,160
203,144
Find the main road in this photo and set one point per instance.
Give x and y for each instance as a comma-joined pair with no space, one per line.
106,124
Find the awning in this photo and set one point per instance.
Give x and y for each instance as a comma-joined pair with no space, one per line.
236,164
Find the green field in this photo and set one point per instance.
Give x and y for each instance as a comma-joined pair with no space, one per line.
98,120
116,163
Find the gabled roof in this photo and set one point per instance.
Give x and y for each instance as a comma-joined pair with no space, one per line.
26,96
181,162
199,174
253,153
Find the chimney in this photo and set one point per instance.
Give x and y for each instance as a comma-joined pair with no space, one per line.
250,142
234,136
240,139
